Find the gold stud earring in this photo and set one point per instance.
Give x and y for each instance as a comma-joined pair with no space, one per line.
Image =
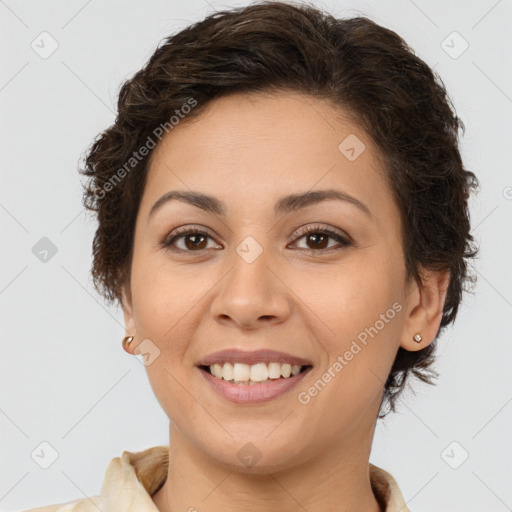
126,341
417,337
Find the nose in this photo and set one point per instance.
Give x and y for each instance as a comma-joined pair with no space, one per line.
252,294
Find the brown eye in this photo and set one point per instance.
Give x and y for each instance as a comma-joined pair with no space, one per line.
317,238
194,240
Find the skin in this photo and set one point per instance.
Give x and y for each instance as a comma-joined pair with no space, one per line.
301,296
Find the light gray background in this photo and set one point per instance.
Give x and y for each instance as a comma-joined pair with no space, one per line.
64,377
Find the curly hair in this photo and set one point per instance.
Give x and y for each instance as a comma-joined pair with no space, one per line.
353,63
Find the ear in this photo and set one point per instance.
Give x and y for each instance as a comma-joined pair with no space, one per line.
425,309
129,320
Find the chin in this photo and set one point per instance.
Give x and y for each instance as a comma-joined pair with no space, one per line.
255,455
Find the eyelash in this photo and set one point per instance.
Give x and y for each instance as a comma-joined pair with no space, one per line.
181,233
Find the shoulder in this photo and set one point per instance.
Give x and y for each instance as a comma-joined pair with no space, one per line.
83,505
386,490
132,478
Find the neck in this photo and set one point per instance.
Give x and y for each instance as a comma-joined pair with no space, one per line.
334,480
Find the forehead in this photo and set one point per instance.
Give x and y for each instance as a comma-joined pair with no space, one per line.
249,149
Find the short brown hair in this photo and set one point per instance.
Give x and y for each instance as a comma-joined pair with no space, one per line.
363,67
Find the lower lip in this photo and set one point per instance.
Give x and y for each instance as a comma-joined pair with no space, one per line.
253,393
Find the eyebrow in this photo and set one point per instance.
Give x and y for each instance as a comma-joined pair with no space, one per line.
285,205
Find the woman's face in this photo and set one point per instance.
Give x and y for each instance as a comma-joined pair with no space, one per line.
255,281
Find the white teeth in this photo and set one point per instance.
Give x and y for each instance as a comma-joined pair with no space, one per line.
274,370
259,372
217,370
227,371
240,372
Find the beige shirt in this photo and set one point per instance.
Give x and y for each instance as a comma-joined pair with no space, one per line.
131,480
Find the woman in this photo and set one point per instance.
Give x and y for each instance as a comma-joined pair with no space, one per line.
283,218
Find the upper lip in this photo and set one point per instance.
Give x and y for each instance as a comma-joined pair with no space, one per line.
233,355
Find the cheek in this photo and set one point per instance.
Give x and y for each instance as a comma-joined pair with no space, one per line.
166,304
163,316
358,323
346,299
161,296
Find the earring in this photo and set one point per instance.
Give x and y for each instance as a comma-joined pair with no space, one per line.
417,337
126,341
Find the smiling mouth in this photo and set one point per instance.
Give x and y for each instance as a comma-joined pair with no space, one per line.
260,373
